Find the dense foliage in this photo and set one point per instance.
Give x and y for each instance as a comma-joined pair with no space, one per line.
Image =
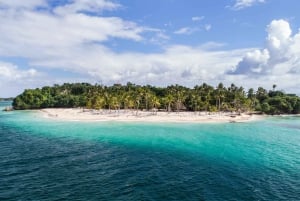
171,98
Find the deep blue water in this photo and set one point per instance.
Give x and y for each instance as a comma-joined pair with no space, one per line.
42,159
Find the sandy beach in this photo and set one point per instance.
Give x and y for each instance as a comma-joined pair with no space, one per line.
76,114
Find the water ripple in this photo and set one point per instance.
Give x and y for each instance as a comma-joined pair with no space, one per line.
51,161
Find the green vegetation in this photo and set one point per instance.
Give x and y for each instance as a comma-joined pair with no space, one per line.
171,98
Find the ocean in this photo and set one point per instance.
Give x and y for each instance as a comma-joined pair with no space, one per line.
46,159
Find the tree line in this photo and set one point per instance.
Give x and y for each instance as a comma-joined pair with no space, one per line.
171,98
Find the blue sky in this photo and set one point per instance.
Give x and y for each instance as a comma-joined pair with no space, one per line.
160,42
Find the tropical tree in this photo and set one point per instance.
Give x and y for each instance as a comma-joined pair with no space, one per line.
169,100
174,97
219,95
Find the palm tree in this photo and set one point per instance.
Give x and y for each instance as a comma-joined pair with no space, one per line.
239,99
251,96
169,99
179,94
127,100
99,102
147,95
115,102
154,102
220,94
138,97
195,100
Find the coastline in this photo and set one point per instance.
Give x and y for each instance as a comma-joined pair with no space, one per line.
76,114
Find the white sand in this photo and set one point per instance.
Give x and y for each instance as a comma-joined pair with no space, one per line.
76,114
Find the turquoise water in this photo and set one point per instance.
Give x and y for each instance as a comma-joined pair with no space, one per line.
42,159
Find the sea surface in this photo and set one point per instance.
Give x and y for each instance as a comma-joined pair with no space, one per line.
46,159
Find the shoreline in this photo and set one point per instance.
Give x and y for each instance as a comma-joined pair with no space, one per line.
86,115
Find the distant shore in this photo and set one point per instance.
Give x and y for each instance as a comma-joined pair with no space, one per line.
76,114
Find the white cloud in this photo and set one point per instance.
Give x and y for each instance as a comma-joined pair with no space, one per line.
10,72
207,27
167,67
286,82
20,30
281,54
212,45
241,4
86,5
197,18
279,39
73,41
13,79
160,38
280,59
253,62
186,30
19,4
191,30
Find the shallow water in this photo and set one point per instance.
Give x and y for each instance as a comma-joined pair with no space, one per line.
44,159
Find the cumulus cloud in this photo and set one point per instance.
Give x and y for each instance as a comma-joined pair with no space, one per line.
167,67
253,62
281,54
186,31
13,79
241,4
67,38
10,72
279,40
278,61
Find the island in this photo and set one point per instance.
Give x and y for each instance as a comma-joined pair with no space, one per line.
84,101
